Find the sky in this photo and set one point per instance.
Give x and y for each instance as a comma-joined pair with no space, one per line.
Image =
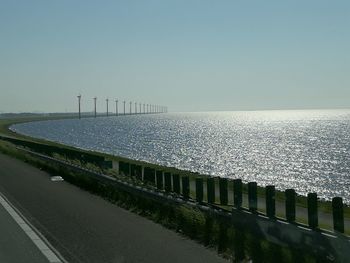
190,55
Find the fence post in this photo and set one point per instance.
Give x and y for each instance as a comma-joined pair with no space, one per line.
176,183
290,205
211,190
338,214
223,191
312,210
270,201
167,182
253,196
199,190
159,175
237,193
185,187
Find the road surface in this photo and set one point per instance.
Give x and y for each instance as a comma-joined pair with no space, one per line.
85,228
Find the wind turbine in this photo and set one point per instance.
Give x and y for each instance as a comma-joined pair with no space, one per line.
107,105
95,105
124,106
116,107
130,110
79,98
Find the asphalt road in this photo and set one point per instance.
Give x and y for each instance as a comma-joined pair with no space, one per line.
15,245
86,228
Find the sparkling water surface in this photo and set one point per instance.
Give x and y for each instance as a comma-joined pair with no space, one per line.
305,150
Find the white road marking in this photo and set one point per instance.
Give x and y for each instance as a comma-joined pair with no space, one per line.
47,252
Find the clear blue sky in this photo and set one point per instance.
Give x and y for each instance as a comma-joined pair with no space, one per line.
189,55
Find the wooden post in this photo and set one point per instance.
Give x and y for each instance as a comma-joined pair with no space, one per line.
185,187
176,183
159,175
290,205
312,210
223,191
270,201
237,193
211,190
338,214
253,196
199,189
167,182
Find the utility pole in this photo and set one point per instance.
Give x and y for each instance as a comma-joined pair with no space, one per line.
95,105
116,107
124,106
107,106
79,98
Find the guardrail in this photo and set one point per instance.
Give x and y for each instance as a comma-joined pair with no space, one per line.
282,232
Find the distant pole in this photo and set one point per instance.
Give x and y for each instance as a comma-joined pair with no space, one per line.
140,108
116,107
147,108
107,106
124,106
79,98
130,110
144,108
135,107
95,105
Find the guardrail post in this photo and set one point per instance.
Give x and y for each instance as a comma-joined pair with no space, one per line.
185,187
223,191
151,176
338,214
253,196
211,190
159,176
176,183
125,168
270,201
237,193
312,210
167,182
199,190
290,205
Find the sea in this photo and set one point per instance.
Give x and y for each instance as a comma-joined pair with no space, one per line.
307,150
